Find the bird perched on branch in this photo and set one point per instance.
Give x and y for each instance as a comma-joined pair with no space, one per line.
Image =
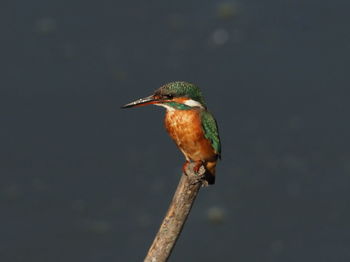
188,123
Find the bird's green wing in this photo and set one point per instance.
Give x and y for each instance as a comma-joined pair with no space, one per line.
211,131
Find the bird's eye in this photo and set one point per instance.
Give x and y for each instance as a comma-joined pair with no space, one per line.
169,96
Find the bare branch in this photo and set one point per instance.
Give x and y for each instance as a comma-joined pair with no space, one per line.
176,215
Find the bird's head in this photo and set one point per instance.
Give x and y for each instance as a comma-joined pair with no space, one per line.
173,96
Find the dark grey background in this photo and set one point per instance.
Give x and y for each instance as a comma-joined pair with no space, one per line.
82,180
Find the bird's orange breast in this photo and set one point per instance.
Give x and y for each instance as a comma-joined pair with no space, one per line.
185,128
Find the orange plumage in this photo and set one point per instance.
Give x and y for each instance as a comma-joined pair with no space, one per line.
185,128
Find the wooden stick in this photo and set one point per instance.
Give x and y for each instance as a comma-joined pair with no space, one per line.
176,216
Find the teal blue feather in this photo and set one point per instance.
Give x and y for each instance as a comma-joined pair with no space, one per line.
211,131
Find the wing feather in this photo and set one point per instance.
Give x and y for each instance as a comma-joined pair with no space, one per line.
211,131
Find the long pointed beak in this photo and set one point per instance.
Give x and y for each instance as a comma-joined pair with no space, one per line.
142,102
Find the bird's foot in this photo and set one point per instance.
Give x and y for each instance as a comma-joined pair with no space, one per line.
196,172
184,167
197,166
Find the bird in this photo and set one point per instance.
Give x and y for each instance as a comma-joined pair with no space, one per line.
189,123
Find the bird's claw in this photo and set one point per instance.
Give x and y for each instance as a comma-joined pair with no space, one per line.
196,171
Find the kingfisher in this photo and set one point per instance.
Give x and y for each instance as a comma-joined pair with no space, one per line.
188,122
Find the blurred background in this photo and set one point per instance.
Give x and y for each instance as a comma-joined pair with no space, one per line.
83,180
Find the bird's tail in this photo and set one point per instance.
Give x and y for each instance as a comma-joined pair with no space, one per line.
210,175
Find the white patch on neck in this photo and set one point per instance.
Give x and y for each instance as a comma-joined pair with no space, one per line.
169,108
193,103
